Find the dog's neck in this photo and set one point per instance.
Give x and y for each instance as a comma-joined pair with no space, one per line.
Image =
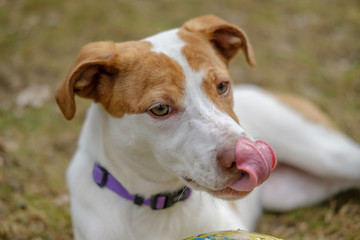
130,160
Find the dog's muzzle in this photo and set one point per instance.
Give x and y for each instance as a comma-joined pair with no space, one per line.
251,163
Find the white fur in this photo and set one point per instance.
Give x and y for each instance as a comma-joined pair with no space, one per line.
149,156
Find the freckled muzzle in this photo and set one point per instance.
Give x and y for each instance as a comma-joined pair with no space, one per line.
255,160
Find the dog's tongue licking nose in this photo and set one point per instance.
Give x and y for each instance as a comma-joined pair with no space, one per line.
256,160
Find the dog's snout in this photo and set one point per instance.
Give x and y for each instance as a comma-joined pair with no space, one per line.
250,162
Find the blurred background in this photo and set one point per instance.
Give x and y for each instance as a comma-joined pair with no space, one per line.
308,47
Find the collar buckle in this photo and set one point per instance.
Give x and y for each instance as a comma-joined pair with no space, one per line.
104,177
166,200
138,200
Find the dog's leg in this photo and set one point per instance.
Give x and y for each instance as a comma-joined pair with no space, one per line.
289,188
331,157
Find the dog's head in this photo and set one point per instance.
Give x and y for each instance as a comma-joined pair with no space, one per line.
169,96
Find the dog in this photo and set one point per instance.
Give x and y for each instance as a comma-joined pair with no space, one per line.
171,147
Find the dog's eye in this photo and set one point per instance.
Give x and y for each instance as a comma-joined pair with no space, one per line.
160,110
223,88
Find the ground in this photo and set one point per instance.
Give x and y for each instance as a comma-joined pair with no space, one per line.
307,47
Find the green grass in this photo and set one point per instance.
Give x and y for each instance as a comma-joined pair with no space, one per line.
306,47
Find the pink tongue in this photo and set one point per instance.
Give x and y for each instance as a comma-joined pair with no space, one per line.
256,160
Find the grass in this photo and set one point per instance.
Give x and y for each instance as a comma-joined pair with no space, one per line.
306,47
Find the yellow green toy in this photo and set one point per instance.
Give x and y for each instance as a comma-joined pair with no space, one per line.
232,235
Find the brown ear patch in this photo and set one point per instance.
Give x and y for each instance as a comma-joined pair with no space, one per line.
146,78
227,42
95,61
227,38
203,57
198,52
128,79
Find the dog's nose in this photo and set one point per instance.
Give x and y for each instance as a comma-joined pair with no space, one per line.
226,159
250,161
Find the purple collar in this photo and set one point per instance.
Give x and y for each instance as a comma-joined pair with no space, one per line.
158,201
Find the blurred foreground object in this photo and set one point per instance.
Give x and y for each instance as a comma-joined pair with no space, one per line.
232,235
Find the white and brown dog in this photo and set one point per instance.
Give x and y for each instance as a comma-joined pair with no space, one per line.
166,119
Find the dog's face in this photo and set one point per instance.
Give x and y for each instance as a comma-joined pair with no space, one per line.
170,96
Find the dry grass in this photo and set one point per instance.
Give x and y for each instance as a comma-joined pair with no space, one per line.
307,47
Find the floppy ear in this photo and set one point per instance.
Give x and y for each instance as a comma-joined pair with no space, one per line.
226,38
91,76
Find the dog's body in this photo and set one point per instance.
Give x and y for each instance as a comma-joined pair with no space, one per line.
165,117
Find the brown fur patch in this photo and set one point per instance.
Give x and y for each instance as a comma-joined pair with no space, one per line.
124,78
227,39
129,78
225,103
201,56
95,59
199,52
147,78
